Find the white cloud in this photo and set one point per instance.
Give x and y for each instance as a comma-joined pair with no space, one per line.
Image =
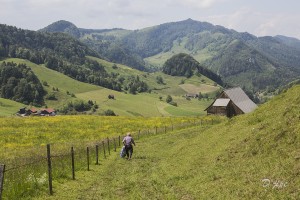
240,15
200,3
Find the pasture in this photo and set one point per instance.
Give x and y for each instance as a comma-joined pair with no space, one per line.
23,144
143,104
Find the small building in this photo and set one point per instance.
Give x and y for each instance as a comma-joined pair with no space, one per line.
32,111
48,112
111,96
190,95
231,102
22,111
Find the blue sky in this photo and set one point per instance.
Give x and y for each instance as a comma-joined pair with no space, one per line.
258,17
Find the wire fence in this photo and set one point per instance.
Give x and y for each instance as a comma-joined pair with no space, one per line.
25,177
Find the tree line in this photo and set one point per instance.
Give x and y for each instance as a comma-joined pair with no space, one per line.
61,53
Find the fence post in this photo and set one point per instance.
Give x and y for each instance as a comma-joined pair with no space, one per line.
88,158
73,163
115,145
97,154
108,146
49,169
103,149
2,170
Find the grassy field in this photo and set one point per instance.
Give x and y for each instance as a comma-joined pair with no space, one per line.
255,156
24,133
23,145
144,104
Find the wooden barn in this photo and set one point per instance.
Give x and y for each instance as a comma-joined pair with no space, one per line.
231,102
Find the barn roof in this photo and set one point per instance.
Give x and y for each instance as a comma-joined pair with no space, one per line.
240,99
221,102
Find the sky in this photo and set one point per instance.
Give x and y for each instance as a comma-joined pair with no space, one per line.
258,17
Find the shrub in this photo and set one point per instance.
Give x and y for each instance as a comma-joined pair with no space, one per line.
173,103
169,99
109,113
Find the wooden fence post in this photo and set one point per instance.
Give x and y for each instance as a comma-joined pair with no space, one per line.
88,158
108,146
103,149
2,170
97,154
115,145
73,163
49,169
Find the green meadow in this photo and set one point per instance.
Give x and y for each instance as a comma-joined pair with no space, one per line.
254,156
143,104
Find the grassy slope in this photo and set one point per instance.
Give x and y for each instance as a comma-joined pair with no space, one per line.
227,161
200,55
125,104
8,107
172,83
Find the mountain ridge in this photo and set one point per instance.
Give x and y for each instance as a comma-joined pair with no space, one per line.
264,62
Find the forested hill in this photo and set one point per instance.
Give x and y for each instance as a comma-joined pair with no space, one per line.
256,63
108,46
185,65
57,51
63,26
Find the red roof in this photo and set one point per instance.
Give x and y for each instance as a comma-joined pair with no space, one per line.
49,110
33,110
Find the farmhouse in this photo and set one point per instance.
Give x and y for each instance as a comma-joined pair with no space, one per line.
34,111
48,112
231,102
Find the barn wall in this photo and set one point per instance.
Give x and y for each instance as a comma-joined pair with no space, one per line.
217,110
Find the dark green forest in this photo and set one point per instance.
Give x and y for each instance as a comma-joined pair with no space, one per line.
185,65
20,84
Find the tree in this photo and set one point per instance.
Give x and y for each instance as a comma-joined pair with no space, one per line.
169,99
200,95
160,80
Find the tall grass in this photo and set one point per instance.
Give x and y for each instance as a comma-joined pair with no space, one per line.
24,146
255,156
